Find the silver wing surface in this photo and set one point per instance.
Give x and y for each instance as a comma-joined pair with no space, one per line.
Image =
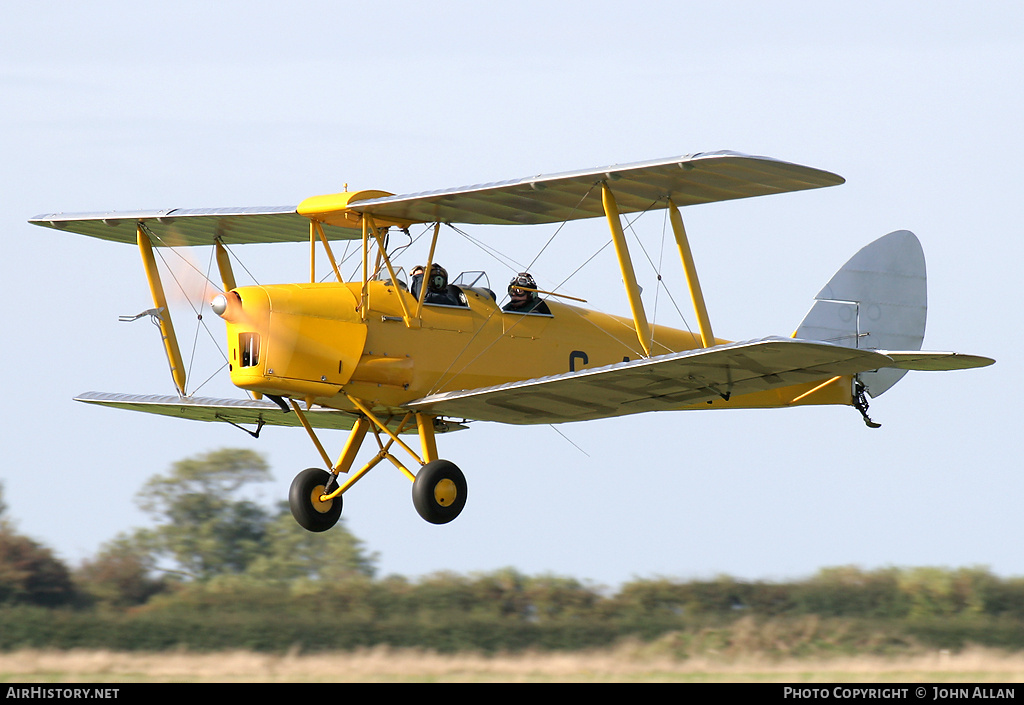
661,383
234,411
181,227
690,179
933,361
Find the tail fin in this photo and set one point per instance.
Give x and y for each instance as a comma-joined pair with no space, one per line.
877,300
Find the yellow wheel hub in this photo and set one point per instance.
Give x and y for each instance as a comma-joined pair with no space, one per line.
445,492
314,499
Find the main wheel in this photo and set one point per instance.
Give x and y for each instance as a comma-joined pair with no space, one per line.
304,500
439,491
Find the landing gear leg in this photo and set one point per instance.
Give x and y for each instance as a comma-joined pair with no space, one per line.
314,496
439,488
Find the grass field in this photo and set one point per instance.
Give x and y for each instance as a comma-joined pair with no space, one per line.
624,664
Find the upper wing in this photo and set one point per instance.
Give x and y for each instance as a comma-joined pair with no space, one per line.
688,180
659,383
691,179
176,227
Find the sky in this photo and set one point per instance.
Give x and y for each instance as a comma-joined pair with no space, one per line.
117,106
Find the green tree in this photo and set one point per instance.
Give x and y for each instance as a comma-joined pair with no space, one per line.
847,591
121,574
292,553
505,591
940,592
29,572
208,527
556,597
204,523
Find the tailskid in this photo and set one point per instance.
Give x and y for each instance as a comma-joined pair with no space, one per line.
860,402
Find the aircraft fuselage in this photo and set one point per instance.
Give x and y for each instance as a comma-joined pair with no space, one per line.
312,342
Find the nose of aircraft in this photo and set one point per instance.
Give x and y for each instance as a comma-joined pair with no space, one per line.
228,306
219,304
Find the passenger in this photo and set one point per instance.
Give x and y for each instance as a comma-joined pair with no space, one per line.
522,291
416,280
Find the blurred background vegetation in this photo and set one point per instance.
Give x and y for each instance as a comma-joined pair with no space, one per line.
219,571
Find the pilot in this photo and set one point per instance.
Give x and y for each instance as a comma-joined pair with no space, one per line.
438,290
522,292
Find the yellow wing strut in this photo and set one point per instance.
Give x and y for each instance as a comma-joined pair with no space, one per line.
706,336
391,271
227,274
317,230
426,271
160,302
636,304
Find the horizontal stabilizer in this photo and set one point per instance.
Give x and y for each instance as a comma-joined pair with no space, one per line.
929,361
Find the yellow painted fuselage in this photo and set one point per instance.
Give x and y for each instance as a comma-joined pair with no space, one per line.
314,342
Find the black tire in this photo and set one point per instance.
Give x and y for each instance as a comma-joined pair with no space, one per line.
439,491
309,512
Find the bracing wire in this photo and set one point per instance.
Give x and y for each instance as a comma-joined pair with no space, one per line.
199,316
657,272
571,442
497,255
504,260
494,253
200,324
661,263
207,284
215,373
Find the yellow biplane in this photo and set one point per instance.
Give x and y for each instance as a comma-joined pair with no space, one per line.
395,356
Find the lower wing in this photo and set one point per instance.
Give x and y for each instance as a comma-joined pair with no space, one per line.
232,411
658,383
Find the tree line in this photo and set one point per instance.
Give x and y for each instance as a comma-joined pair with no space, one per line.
217,569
